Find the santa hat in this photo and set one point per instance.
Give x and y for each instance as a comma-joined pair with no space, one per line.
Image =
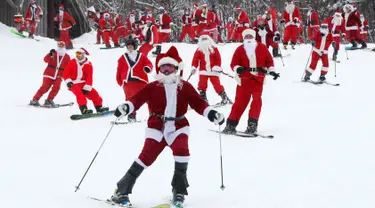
91,9
195,6
170,57
248,32
148,11
238,8
324,23
83,51
204,5
338,12
61,6
150,20
132,13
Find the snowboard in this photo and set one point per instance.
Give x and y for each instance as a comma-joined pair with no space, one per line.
350,48
321,83
76,117
21,35
246,135
105,48
54,106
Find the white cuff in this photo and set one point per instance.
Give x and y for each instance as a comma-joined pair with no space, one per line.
87,87
235,68
68,80
207,110
217,69
271,69
131,107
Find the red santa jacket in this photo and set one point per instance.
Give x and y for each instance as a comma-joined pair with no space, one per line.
165,22
260,59
322,43
125,71
209,64
150,35
186,20
336,25
363,29
352,21
197,14
163,102
105,25
203,16
79,73
65,21
243,20
130,25
289,17
56,65
313,19
212,20
119,22
34,13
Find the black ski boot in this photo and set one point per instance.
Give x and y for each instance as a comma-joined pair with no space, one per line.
275,52
364,45
132,117
203,95
85,110
293,46
252,126
285,46
322,78
354,44
157,50
225,99
34,103
230,128
49,103
31,36
125,185
179,183
101,109
306,78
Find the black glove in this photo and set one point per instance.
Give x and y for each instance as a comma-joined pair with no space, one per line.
96,26
295,20
366,27
312,22
85,91
147,69
122,110
334,44
313,43
240,70
216,117
69,84
40,16
282,21
51,52
275,75
277,37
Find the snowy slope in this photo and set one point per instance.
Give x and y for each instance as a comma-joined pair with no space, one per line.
322,155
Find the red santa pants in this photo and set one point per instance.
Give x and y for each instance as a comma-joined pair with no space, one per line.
98,36
311,31
145,48
121,32
131,88
215,81
230,35
314,61
200,29
32,25
195,29
109,34
47,84
93,95
152,149
64,36
364,36
238,33
354,35
338,42
164,37
290,34
187,30
249,88
213,33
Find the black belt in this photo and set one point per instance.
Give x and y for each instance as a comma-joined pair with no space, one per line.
256,70
161,117
50,66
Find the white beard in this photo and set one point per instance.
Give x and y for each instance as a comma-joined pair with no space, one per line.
168,79
336,20
324,31
61,51
34,5
205,46
132,55
290,8
149,15
132,19
250,46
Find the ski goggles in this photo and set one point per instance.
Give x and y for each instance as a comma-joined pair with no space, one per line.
79,54
167,69
60,44
324,26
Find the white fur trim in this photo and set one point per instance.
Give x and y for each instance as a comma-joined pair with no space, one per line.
169,138
235,68
325,69
68,80
165,30
249,32
137,160
271,69
310,70
351,28
182,159
167,60
87,87
131,107
209,73
217,69
207,110
154,134
237,79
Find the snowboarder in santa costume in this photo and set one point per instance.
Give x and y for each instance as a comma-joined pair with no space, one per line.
321,43
168,99
132,70
66,22
292,20
251,61
207,58
33,15
57,60
78,78
107,25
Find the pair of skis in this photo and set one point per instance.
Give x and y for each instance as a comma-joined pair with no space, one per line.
321,82
246,135
109,202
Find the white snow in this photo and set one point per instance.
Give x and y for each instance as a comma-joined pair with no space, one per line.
322,155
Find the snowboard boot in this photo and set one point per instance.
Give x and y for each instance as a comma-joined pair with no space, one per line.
354,44
306,78
132,117
108,46
101,109
225,99
179,183
34,103
157,50
49,103
293,46
230,128
85,110
252,126
117,45
322,78
275,52
121,199
203,95
31,36
285,46
126,184
364,45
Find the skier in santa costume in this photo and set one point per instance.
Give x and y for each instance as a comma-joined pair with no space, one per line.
364,28
291,18
352,26
321,43
207,58
66,22
57,61
78,77
149,36
33,15
336,25
251,61
312,22
132,70
168,99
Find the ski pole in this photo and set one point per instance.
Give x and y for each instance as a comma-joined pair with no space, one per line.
335,67
347,56
228,75
222,187
96,154
281,56
191,74
308,60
